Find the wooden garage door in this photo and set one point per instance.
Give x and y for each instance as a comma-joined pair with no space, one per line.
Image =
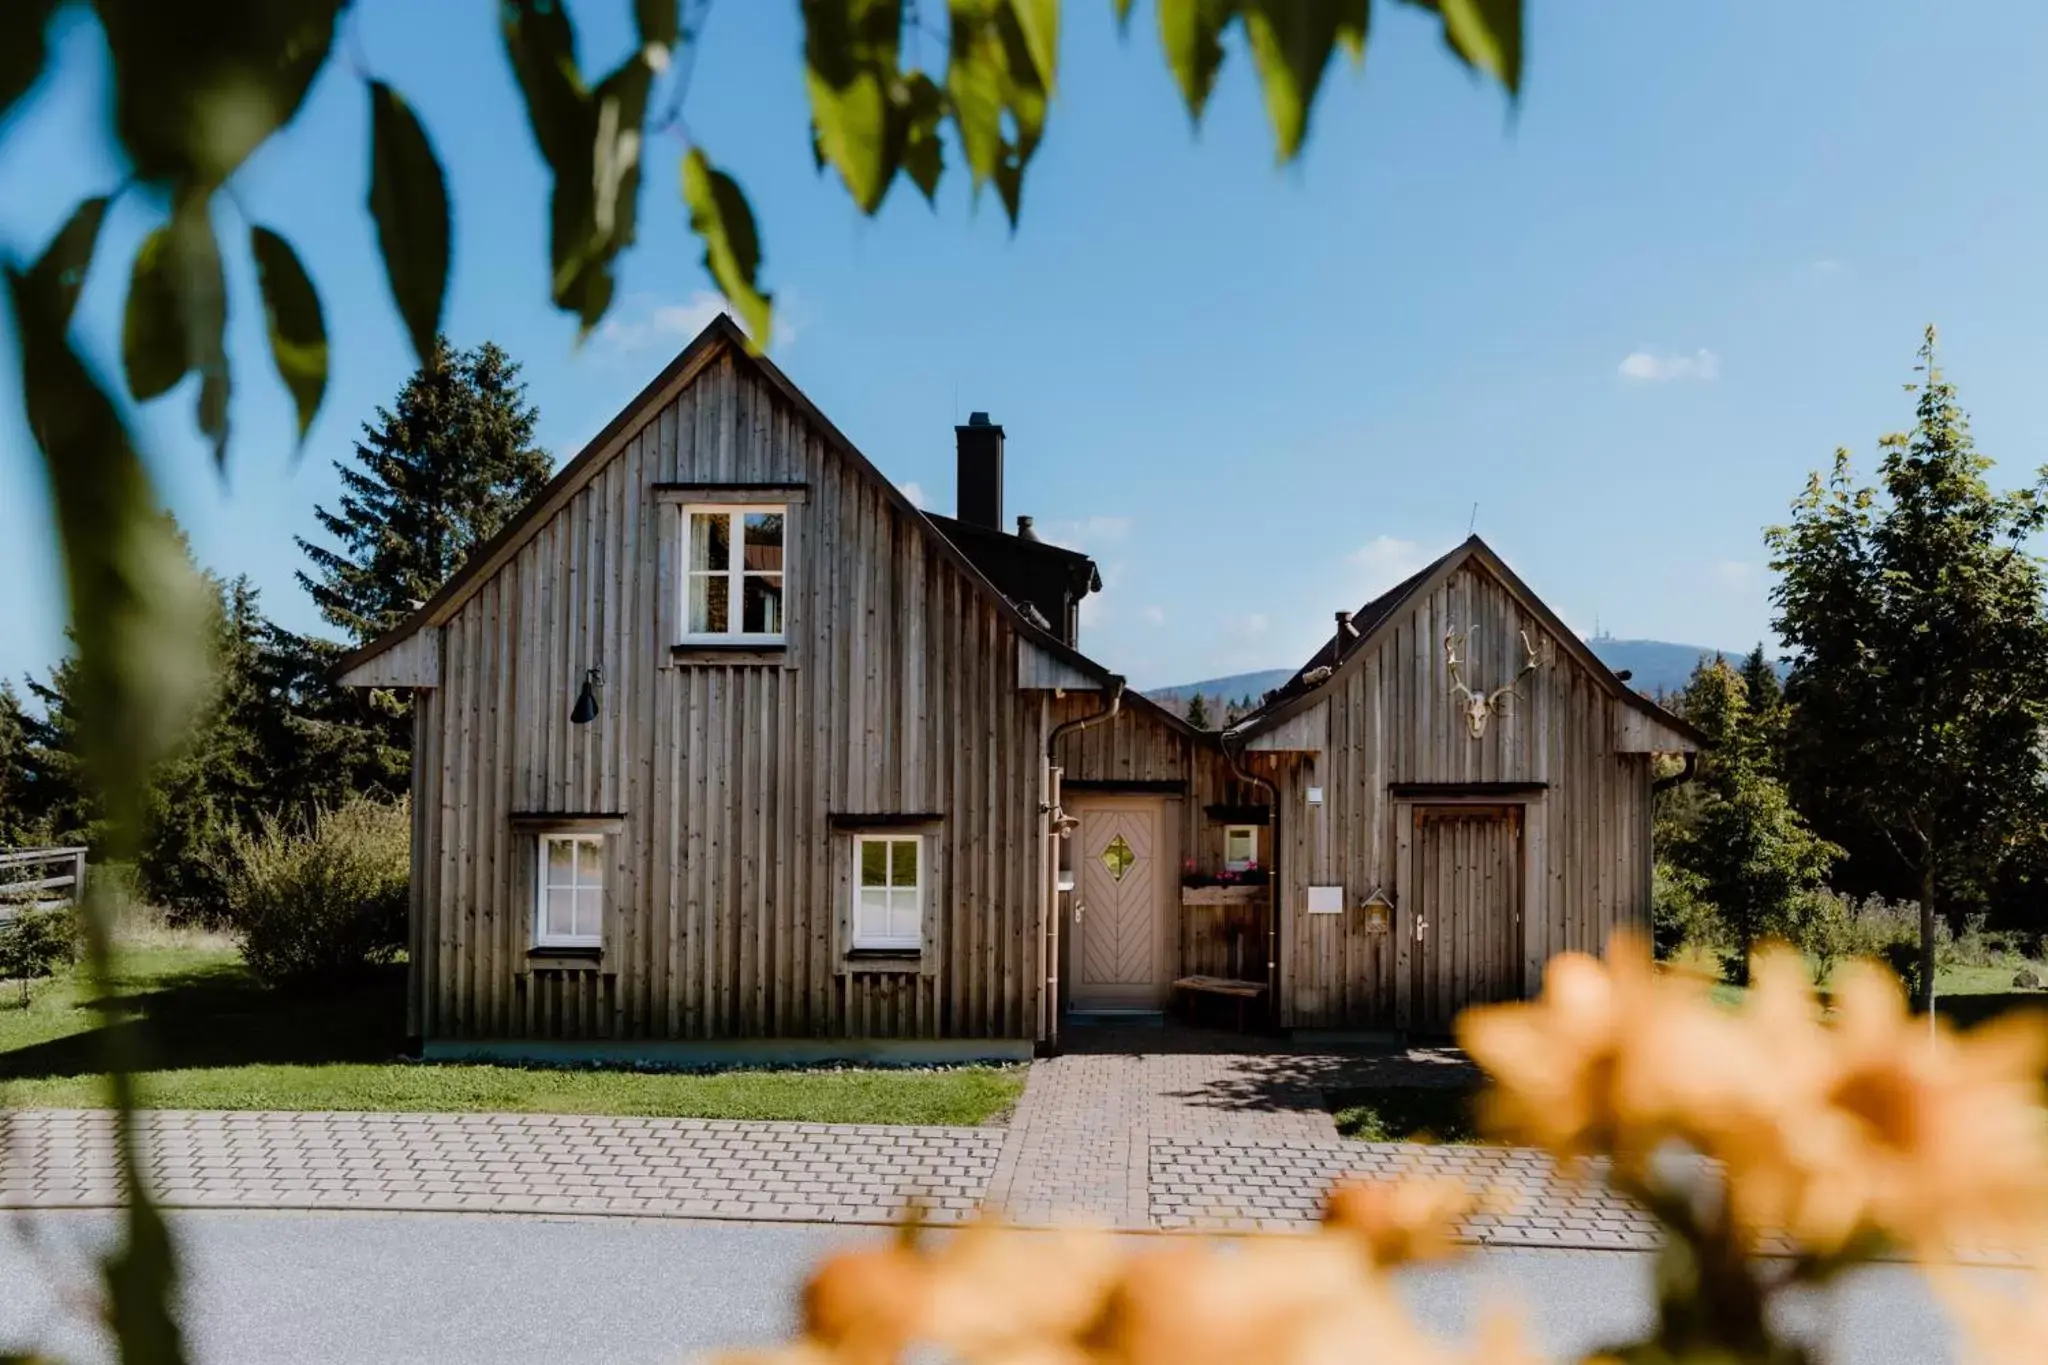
1465,910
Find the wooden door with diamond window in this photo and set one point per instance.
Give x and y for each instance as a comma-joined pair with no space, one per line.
1118,944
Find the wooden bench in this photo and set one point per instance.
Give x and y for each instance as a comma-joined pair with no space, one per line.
1227,987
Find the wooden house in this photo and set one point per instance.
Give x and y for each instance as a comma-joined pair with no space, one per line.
723,748
1463,790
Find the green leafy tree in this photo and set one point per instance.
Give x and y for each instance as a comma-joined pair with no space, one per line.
1198,712
1919,682
18,829
436,474
1739,845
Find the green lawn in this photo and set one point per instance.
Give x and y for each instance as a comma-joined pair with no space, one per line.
1964,996
211,1037
1405,1113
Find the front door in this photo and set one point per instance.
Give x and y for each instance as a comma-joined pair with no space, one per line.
1464,911
1119,902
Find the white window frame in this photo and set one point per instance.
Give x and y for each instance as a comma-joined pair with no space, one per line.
542,842
863,938
1251,832
734,573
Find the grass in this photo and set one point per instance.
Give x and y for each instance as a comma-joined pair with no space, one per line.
1405,1113
211,1036
1965,996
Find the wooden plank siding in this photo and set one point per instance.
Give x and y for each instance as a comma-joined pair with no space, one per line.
1390,720
728,884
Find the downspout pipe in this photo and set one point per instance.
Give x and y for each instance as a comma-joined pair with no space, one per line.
1055,815
1273,870
1685,774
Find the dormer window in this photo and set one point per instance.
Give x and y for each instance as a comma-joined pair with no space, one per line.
733,574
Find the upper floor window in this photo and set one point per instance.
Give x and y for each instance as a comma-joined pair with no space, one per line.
733,575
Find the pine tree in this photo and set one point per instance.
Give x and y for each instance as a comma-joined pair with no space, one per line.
1767,711
435,475
1198,712
1732,835
1919,681
17,828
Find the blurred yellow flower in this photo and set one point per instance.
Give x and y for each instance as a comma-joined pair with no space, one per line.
1401,1220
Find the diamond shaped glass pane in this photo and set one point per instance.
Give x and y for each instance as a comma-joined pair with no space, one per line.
1118,857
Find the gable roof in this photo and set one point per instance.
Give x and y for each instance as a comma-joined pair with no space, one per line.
720,337
1300,691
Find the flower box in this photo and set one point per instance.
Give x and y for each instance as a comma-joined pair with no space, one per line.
1222,895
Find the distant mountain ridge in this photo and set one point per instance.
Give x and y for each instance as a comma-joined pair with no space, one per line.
1653,666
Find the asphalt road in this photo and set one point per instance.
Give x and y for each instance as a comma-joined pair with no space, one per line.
317,1288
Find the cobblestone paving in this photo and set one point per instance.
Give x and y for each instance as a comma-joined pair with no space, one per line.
507,1163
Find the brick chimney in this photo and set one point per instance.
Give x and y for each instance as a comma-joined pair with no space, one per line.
980,479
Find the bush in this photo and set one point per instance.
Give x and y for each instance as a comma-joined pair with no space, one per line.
35,942
1681,917
324,900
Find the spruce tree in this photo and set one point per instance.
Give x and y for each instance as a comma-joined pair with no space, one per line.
435,475
1198,712
1919,681
1734,835
17,828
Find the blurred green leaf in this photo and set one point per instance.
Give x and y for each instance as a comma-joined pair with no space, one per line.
1291,42
22,48
202,291
732,249
1488,35
999,95
924,109
852,55
1191,31
63,266
659,21
138,608
1039,22
153,353
1123,13
542,45
298,333
409,200
199,84
597,208
141,1284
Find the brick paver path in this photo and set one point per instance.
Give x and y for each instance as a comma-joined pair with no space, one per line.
506,1163
1198,1137
1203,1137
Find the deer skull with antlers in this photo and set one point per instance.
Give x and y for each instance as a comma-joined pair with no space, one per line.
1480,707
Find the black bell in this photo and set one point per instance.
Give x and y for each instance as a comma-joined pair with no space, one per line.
586,700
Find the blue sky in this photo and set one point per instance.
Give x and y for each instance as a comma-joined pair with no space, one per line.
1625,319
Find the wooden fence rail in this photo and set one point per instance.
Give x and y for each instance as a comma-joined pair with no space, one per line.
40,876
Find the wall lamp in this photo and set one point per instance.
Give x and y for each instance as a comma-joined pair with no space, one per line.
586,700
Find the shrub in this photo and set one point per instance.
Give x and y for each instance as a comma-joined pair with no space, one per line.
35,942
1681,917
324,900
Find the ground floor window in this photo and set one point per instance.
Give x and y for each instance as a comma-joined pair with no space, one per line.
569,899
888,906
1240,847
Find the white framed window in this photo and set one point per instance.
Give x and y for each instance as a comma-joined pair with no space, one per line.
888,891
1240,847
568,909
733,569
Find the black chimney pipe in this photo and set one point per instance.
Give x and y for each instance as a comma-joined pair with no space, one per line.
980,481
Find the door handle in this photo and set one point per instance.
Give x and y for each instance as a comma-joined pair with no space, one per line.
1420,925
1079,910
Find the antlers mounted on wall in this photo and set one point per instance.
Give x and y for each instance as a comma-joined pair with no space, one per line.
1480,707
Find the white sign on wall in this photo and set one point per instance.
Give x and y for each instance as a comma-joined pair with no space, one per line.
1326,900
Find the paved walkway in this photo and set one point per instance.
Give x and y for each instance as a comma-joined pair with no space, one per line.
1197,1137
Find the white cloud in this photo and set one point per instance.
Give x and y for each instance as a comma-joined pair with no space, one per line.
1382,562
641,323
1096,608
915,492
1087,536
1154,616
1828,265
1734,573
1647,366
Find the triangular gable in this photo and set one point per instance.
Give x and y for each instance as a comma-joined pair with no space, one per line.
720,337
1307,687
